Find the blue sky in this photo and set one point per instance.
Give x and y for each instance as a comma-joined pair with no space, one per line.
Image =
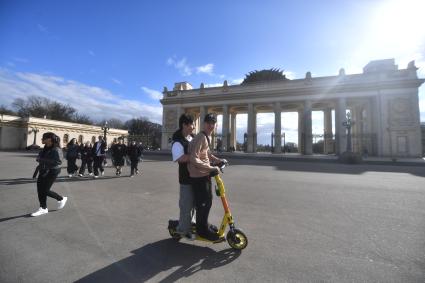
111,59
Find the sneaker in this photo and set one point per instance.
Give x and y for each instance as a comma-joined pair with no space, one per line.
190,236
70,175
90,174
137,172
95,176
80,175
102,173
131,176
40,211
62,202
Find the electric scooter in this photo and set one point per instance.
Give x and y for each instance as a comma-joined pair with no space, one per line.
235,237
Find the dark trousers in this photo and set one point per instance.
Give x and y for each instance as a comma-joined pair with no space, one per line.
134,163
72,166
88,163
203,201
43,188
98,165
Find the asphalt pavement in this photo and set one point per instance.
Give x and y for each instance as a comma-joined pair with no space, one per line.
305,222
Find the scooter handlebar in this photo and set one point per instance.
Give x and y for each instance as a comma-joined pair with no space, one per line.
223,164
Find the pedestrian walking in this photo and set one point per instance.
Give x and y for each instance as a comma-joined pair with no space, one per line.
86,159
118,151
49,168
72,151
98,151
134,152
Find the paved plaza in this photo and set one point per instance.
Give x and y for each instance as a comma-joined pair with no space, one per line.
305,222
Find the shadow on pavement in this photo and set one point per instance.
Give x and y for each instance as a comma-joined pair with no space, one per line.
320,166
15,217
62,179
154,258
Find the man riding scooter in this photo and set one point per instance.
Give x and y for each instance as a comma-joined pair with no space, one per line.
200,169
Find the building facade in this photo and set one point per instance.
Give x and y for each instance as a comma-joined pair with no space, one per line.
382,101
19,133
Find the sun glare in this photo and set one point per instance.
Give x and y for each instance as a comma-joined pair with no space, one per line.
397,28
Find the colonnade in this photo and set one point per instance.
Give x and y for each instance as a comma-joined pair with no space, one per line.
333,142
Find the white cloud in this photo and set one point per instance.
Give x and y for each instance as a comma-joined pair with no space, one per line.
206,69
214,85
289,75
118,82
154,94
181,65
236,81
20,60
95,102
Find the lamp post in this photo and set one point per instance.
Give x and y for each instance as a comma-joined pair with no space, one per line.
347,124
105,130
34,145
35,131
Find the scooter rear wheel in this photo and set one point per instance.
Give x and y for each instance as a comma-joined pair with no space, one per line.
176,236
237,239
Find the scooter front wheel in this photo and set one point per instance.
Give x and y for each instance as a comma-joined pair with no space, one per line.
237,239
172,225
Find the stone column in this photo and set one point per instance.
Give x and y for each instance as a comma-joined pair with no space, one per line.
233,130
308,137
277,128
300,131
225,129
251,128
340,130
377,126
327,141
203,111
180,111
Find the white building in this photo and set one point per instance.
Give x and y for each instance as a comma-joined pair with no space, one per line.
19,133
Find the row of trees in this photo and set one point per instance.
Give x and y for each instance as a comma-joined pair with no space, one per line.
41,107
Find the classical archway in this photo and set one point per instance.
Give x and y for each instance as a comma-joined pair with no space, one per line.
382,101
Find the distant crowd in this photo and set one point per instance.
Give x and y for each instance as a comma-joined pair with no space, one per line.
94,157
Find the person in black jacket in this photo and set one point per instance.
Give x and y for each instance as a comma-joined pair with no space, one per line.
86,159
98,151
49,168
134,152
179,150
72,151
119,151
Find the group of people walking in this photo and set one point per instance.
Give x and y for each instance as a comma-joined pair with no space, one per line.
94,157
196,163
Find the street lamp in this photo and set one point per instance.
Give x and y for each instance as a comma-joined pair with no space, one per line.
105,130
347,124
34,144
35,131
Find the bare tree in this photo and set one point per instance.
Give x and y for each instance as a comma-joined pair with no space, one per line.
6,111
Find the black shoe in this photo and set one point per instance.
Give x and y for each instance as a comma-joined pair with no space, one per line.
210,236
213,228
